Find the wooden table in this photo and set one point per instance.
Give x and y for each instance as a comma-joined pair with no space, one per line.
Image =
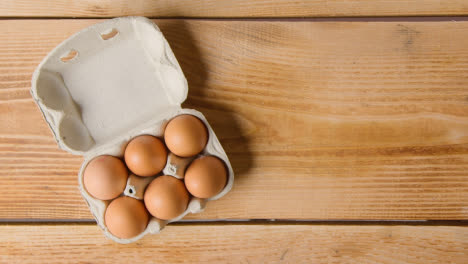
346,123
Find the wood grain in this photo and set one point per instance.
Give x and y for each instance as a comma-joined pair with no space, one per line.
320,120
238,244
226,8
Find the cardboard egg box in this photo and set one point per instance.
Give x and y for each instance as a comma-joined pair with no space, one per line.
108,84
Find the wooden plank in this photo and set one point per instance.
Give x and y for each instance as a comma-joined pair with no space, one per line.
238,244
226,8
320,120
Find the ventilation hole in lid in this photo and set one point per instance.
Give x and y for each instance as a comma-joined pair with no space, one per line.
69,56
112,33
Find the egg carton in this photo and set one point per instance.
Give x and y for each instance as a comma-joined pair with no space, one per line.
108,84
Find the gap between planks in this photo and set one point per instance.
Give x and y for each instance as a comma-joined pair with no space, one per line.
277,19
191,222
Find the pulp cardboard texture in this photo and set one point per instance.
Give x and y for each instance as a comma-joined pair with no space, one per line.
107,84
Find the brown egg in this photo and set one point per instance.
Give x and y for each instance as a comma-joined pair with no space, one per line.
105,177
186,135
166,197
205,177
126,217
145,155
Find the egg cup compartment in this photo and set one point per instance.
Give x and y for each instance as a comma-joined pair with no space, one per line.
108,84
61,112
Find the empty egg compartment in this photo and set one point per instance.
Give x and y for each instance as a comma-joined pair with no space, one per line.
196,205
61,112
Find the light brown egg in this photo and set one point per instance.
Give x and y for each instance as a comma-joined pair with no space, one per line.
186,135
145,155
105,177
126,217
166,197
206,177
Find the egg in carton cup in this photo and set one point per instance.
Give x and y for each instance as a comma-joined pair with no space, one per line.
108,84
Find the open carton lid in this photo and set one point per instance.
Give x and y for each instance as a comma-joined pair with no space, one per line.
107,80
